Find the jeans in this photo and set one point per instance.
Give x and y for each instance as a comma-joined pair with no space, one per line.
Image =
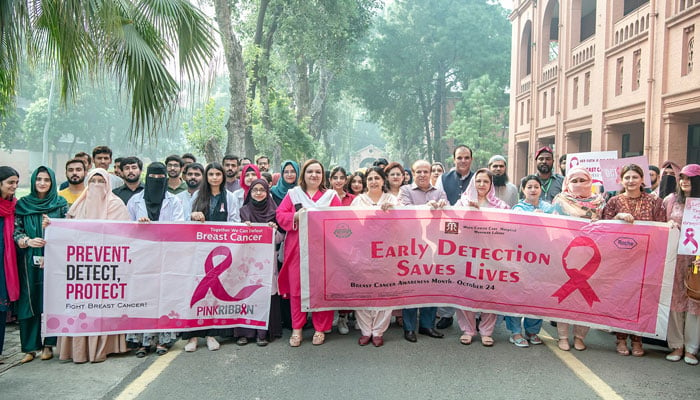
427,318
532,326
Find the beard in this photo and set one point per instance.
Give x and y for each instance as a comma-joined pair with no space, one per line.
192,184
500,180
544,168
131,178
230,174
76,180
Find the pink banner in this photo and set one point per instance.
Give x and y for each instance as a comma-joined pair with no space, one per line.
606,274
126,277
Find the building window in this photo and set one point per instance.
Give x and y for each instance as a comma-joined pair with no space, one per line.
586,88
551,106
587,20
637,69
574,94
522,111
544,104
631,5
688,50
527,111
619,75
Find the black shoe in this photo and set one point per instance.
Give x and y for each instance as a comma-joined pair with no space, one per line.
431,332
444,323
410,336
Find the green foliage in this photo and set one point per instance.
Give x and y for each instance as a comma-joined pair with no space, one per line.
207,122
480,120
133,42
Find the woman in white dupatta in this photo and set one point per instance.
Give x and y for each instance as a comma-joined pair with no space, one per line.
311,193
373,323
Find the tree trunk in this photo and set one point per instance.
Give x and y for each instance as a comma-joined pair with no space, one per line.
302,92
437,117
319,103
425,109
238,140
212,150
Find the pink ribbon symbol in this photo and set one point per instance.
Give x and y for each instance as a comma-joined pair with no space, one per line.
211,279
690,238
578,279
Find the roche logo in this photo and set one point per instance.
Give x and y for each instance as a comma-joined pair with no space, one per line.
625,243
452,227
342,231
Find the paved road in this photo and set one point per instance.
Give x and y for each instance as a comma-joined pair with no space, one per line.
340,369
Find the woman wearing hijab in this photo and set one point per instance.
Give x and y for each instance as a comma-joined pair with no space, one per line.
154,203
630,205
260,208
212,202
96,202
669,172
30,219
9,280
311,193
684,318
577,200
480,194
290,176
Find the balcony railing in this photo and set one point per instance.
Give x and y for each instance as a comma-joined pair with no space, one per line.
525,84
549,71
583,52
632,26
682,5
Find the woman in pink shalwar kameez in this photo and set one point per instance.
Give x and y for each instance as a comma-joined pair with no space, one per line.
310,193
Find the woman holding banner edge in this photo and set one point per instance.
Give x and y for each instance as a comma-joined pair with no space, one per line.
310,193
684,318
373,323
577,200
630,205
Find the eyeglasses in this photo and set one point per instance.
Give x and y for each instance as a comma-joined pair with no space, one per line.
259,191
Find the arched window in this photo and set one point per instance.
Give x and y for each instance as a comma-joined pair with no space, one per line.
526,51
550,32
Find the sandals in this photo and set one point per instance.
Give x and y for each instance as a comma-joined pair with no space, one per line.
242,341
141,352
47,353
534,339
675,355
28,357
465,339
690,359
637,350
295,340
160,350
621,348
319,338
519,342
563,344
487,341
578,344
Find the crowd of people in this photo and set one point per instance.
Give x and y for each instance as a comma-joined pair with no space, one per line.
238,190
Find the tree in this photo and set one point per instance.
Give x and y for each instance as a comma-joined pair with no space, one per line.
130,41
480,120
206,131
423,50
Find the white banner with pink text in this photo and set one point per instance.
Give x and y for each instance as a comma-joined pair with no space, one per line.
105,277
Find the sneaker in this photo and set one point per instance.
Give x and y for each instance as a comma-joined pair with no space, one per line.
343,325
191,345
212,344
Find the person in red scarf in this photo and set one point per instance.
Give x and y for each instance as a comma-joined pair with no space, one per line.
9,279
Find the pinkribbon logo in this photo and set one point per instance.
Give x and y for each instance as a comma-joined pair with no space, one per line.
342,231
211,279
452,227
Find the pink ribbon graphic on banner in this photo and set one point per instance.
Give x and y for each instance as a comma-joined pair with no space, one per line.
579,278
690,238
211,279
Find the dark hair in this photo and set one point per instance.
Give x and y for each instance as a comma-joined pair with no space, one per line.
129,161
655,169
525,180
174,157
348,185
189,155
246,158
230,157
632,167
6,172
267,176
462,146
391,166
694,188
101,150
204,194
118,160
306,165
410,175
83,154
380,171
261,157
562,158
380,161
483,171
194,165
338,169
75,161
